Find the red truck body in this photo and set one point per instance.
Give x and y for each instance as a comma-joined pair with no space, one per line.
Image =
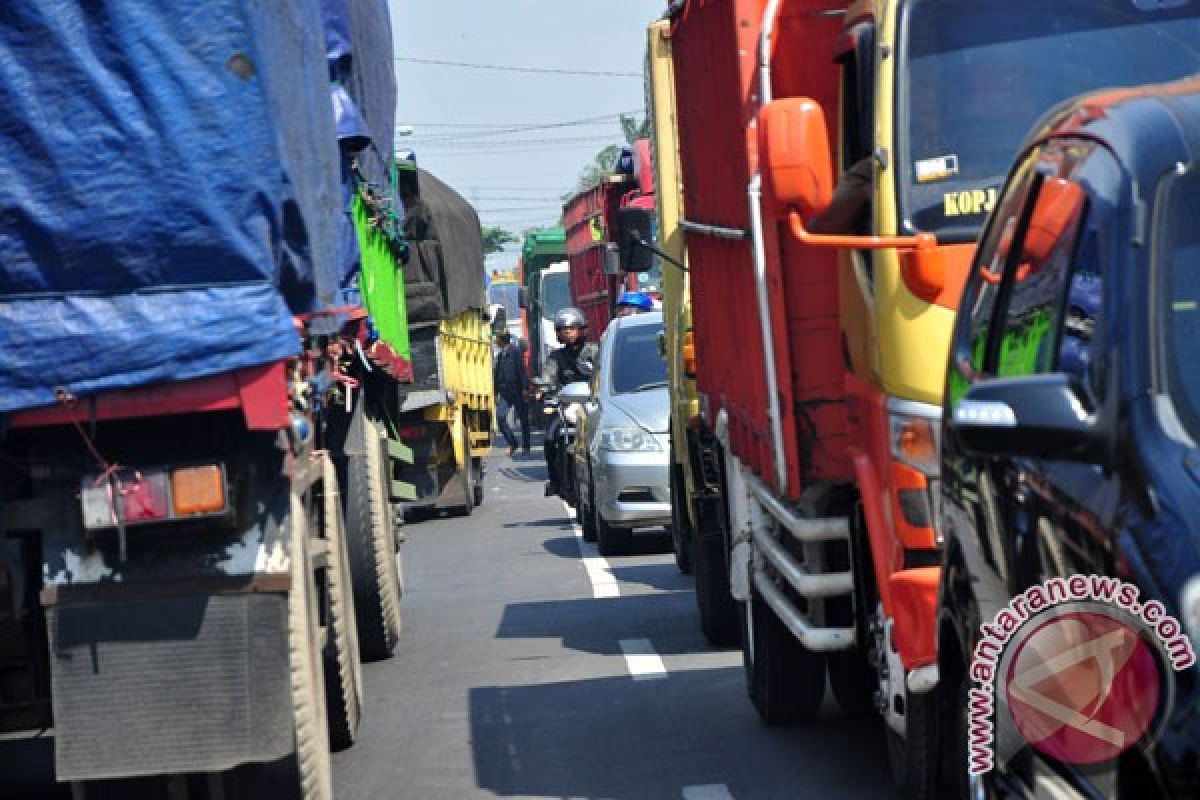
590,219
715,46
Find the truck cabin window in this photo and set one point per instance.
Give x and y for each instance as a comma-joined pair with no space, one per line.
505,294
975,77
556,293
1178,269
637,364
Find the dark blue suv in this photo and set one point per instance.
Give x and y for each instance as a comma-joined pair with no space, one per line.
1070,436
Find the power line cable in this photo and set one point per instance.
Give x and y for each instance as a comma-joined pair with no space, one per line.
503,143
497,127
511,68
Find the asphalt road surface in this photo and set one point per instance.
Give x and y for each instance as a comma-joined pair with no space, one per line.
531,667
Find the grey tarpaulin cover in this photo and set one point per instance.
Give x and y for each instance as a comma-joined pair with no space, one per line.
444,274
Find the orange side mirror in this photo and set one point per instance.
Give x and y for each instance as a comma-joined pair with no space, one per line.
793,153
1058,205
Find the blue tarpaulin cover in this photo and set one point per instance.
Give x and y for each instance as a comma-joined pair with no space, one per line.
169,190
358,46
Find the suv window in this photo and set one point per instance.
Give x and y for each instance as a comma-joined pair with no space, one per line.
1177,254
983,289
1054,287
1034,301
1039,277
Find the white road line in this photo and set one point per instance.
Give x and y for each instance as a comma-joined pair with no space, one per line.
604,584
643,663
709,791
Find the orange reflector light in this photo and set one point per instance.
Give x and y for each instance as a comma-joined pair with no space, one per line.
198,490
689,354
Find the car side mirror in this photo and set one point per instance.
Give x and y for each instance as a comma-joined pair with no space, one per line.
635,230
577,392
1037,416
523,297
793,146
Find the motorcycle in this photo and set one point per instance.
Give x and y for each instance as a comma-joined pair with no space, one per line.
565,407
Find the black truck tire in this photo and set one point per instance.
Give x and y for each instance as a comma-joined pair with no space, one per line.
371,547
915,757
785,680
681,521
314,771
720,613
343,664
466,474
477,465
853,682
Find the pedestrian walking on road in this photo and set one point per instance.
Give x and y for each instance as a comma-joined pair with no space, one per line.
512,388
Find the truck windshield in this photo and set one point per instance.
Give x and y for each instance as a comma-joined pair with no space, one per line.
976,76
506,295
1177,253
556,293
637,364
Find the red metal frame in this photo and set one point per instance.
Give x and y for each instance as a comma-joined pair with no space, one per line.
715,47
835,426
261,393
590,220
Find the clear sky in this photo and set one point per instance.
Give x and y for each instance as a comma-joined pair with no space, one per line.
514,179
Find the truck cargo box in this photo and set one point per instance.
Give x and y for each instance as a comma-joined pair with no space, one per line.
443,282
590,220
169,190
715,47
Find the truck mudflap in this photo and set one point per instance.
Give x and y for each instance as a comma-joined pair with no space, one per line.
185,684
175,658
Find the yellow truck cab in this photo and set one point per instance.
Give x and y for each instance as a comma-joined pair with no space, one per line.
695,489
822,315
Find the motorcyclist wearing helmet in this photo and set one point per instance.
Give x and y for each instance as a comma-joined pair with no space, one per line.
572,362
630,303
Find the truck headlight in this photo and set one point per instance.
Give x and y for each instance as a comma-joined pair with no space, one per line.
628,440
914,433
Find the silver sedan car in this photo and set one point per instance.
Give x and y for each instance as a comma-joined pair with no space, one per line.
622,447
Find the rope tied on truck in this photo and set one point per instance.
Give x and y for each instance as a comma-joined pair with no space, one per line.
110,472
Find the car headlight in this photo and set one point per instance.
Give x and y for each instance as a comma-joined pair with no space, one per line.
571,413
628,440
914,432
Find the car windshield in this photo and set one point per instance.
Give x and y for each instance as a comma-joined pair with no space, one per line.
637,363
976,77
505,294
556,293
1178,256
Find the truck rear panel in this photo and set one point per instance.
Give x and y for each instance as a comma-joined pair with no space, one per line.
715,56
590,220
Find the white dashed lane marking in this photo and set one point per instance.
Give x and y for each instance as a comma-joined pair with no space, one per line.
604,584
644,664
710,791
